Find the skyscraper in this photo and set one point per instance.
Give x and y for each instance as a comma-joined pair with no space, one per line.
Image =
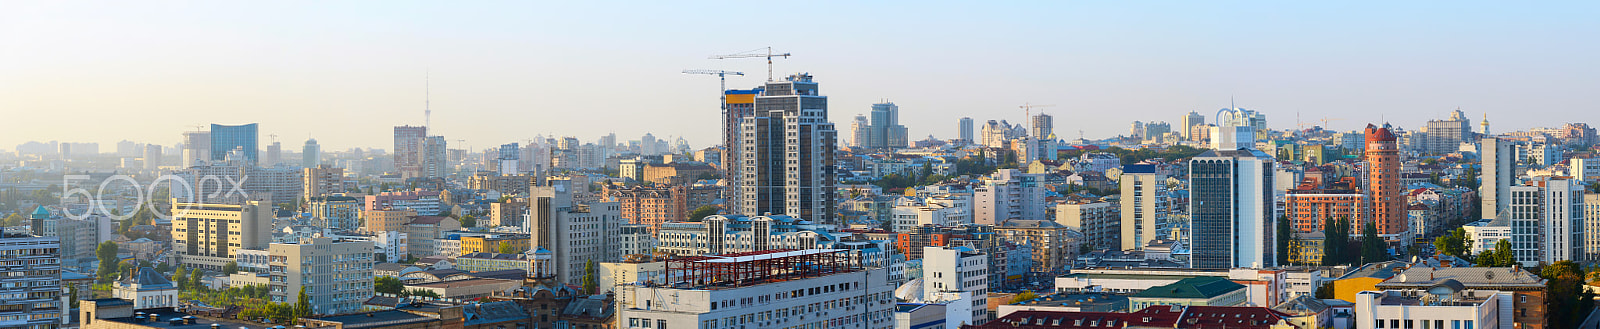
1384,184
1189,121
887,133
966,131
1445,136
1144,205
435,162
225,139
737,105
508,158
311,154
1231,209
408,150
1043,126
787,154
1499,160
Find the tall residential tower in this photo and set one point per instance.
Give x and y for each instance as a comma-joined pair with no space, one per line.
787,153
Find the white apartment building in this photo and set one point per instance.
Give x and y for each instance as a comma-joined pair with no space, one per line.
829,295
1446,306
1591,228
1008,194
1144,205
335,273
1547,220
909,212
1485,234
956,270
636,239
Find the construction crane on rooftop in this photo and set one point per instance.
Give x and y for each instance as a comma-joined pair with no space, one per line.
723,89
755,53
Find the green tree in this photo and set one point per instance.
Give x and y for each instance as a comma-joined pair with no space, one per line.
1335,238
1454,243
388,285
1284,236
107,254
1484,259
506,248
1325,291
230,268
469,221
181,278
13,219
1372,247
163,267
302,304
195,279
701,213
1023,297
590,283
1502,254
1566,300
419,292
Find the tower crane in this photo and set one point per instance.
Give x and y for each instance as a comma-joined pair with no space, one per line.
723,76
755,53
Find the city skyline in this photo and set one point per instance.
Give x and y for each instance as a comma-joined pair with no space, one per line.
361,69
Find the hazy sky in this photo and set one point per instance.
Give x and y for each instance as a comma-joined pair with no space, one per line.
346,72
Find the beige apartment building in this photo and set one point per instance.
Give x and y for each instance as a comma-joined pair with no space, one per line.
208,235
335,273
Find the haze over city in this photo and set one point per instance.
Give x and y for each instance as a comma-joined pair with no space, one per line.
346,72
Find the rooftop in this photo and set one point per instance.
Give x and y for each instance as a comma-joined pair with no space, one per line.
376,319
1196,287
164,316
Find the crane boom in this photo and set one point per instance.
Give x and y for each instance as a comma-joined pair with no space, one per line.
755,53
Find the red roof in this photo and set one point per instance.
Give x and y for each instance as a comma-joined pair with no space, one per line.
1375,133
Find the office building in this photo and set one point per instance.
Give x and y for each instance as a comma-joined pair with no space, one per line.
408,150
336,274
710,293
1144,206
787,153
1547,220
311,154
948,210
966,131
1384,186
226,139
577,233
31,296
861,130
1232,211
884,131
1497,174
208,235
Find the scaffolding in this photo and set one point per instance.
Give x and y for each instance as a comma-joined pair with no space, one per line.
756,267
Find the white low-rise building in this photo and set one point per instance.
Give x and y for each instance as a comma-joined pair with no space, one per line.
829,293
146,288
1442,306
